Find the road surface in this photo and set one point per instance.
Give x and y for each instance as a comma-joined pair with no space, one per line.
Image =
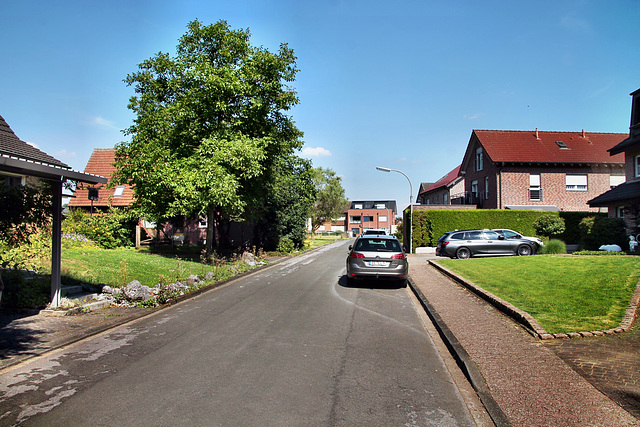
289,345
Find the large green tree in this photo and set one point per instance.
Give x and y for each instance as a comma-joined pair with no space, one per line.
330,201
210,125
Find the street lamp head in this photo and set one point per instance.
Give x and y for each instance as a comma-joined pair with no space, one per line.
380,168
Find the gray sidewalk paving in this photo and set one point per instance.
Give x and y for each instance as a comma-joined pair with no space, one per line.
529,382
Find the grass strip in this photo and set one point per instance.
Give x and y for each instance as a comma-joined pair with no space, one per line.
563,293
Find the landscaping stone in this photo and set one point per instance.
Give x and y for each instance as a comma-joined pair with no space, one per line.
135,291
249,259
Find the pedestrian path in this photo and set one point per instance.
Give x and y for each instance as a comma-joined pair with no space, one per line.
531,385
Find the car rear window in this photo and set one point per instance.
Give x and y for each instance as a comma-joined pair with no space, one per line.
378,245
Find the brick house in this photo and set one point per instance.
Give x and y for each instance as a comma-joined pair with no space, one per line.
444,191
623,201
368,214
99,197
540,170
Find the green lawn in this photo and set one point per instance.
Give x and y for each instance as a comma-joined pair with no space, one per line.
564,294
117,267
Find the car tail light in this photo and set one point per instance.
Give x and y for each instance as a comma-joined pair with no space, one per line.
356,255
398,256
444,243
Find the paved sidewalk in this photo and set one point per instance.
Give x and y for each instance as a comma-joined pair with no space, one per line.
529,382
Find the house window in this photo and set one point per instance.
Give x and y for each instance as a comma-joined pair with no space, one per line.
474,189
445,198
357,206
202,222
357,219
615,180
576,182
486,187
381,206
367,219
479,159
638,166
382,218
620,212
535,192
119,191
12,180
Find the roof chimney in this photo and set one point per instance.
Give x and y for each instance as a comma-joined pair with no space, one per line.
583,134
537,137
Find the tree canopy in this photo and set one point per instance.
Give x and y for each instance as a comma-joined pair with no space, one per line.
210,126
330,200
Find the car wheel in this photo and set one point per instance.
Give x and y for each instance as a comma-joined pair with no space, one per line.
524,250
463,253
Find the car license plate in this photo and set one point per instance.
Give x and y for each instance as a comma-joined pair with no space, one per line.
377,263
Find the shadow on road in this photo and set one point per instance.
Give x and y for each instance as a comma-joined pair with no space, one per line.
345,282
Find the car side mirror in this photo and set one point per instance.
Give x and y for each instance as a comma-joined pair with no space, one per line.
350,247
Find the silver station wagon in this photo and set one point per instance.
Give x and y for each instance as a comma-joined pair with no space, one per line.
377,257
464,244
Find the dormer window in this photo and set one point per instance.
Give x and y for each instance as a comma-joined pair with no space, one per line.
562,145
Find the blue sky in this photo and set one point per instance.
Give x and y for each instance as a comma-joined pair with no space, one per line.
397,84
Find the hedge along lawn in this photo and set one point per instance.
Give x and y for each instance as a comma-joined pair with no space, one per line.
563,293
118,267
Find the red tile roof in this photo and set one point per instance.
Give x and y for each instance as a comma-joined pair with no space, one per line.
542,147
101,163
444,181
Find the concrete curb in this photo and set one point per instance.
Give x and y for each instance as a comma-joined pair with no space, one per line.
463,360
528,322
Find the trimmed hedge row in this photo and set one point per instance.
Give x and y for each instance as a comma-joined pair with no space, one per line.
430,225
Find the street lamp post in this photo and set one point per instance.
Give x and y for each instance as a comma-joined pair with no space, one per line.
380,168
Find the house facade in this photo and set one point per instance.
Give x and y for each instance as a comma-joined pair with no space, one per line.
445,191
371,214
540,170
623,201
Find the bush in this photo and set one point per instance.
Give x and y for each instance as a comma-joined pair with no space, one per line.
110,230
549,225
554,246
286,245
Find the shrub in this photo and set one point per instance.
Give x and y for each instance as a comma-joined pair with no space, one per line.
22,292
286,245
549,225
554,246
110,230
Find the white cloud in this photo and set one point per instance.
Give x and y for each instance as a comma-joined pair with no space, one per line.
471,117
316,152
64,154
33,144
102,122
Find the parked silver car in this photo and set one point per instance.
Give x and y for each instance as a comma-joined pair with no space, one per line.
377,257
464,244
510,234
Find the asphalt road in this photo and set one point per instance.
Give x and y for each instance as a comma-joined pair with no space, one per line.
290,345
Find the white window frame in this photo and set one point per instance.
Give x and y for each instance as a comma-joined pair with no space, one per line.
534,187
474,188
615,180
382,218
577,182
486,187
479,159
637,166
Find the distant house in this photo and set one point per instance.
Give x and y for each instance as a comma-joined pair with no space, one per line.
445,191
623,201
540,170
371,214
98,196
21,162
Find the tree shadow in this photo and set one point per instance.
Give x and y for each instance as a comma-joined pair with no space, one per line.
18,336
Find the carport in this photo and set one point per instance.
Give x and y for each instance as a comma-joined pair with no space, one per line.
17,158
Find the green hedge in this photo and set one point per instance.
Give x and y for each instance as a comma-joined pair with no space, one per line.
430,225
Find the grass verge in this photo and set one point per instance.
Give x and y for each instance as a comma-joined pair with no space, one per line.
564,294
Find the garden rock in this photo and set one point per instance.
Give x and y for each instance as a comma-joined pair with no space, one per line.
209,276
135,291
249,259
193,279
